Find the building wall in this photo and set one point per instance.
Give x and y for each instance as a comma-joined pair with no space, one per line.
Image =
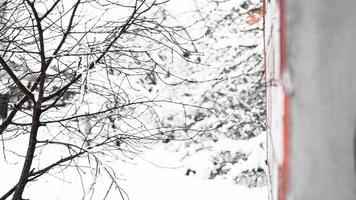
276,99
321,54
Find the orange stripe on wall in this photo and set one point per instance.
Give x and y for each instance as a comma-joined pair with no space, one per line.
285,168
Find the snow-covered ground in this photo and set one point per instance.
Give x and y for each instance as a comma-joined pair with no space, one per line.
160,176
155,175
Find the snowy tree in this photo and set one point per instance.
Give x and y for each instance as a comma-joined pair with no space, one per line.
85,83
233,85
71,79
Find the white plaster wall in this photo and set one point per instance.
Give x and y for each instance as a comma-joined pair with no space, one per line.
322,53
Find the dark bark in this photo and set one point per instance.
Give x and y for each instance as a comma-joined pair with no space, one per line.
29,155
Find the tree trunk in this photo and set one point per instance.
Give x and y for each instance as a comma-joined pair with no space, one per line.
29,155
